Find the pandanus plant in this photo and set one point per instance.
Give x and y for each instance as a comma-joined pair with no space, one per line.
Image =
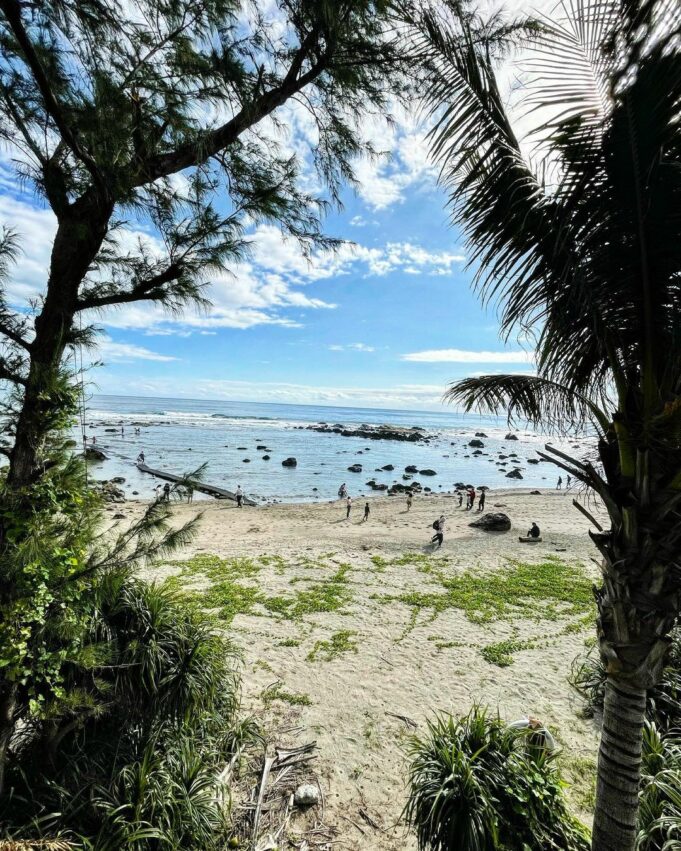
579,242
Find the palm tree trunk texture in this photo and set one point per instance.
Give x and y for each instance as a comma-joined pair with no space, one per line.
619,767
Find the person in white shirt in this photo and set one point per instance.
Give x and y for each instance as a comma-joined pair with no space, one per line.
348,504
239,496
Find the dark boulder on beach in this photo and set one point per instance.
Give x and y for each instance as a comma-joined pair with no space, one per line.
242,448
480,434
119,480
478,444
372,432
245,460
497,522
112,430
412,468
427,472
355,468
289,462
510,436
533,460
93,454
514,474
388,467
265,457
261,447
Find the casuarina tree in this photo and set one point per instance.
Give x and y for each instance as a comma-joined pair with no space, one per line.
577,236
165,114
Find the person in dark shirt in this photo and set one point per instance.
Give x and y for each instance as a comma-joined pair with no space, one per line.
533,531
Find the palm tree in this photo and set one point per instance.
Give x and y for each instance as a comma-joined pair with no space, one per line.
580,245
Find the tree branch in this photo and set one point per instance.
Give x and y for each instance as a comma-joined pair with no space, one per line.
209,143
140,291
14,336
12,10
7,374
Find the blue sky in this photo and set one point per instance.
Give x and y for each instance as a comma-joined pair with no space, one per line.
387,321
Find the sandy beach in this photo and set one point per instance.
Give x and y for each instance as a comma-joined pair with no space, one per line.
353,633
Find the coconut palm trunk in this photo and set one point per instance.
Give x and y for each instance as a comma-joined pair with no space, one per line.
580,246
619,767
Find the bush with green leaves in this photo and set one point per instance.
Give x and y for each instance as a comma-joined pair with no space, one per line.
133,758
659,817
477,785
664,700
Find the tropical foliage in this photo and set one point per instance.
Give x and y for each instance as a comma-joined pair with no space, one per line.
576,234
477,785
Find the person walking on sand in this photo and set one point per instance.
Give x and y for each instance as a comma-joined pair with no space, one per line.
559,486
439,526
366,512
481,501
239,496
568,481
348,507
410,499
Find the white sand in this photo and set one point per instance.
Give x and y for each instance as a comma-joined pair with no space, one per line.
361,762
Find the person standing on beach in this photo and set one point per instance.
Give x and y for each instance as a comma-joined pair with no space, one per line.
481,503
366,512
568,481
410,499
460,499
190,493
559,486
239,496
166,492
348,506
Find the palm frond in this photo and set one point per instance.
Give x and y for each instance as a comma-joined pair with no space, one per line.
529,398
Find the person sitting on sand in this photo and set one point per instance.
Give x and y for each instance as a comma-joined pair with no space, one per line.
439,526
410,499
481,501
533,531
239,496
366,512
348,506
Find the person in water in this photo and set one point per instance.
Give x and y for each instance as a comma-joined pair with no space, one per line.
342,491
534,531
366,512
140,458
239,496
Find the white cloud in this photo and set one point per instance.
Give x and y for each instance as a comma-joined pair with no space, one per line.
416,396
112,351
462,356
357,347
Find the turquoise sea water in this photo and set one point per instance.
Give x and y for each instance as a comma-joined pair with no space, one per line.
179,435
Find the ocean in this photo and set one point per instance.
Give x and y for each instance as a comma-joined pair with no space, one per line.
179,435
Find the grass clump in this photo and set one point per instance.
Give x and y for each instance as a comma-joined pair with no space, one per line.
549,590
278,692
340,642
326,595
489,787
289,642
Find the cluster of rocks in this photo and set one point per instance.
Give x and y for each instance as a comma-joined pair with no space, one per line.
109,490
414,434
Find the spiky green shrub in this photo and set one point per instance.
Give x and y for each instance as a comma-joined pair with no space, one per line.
476,785
659,817
133,761
664,700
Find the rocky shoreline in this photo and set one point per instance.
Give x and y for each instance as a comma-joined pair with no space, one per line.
415,434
